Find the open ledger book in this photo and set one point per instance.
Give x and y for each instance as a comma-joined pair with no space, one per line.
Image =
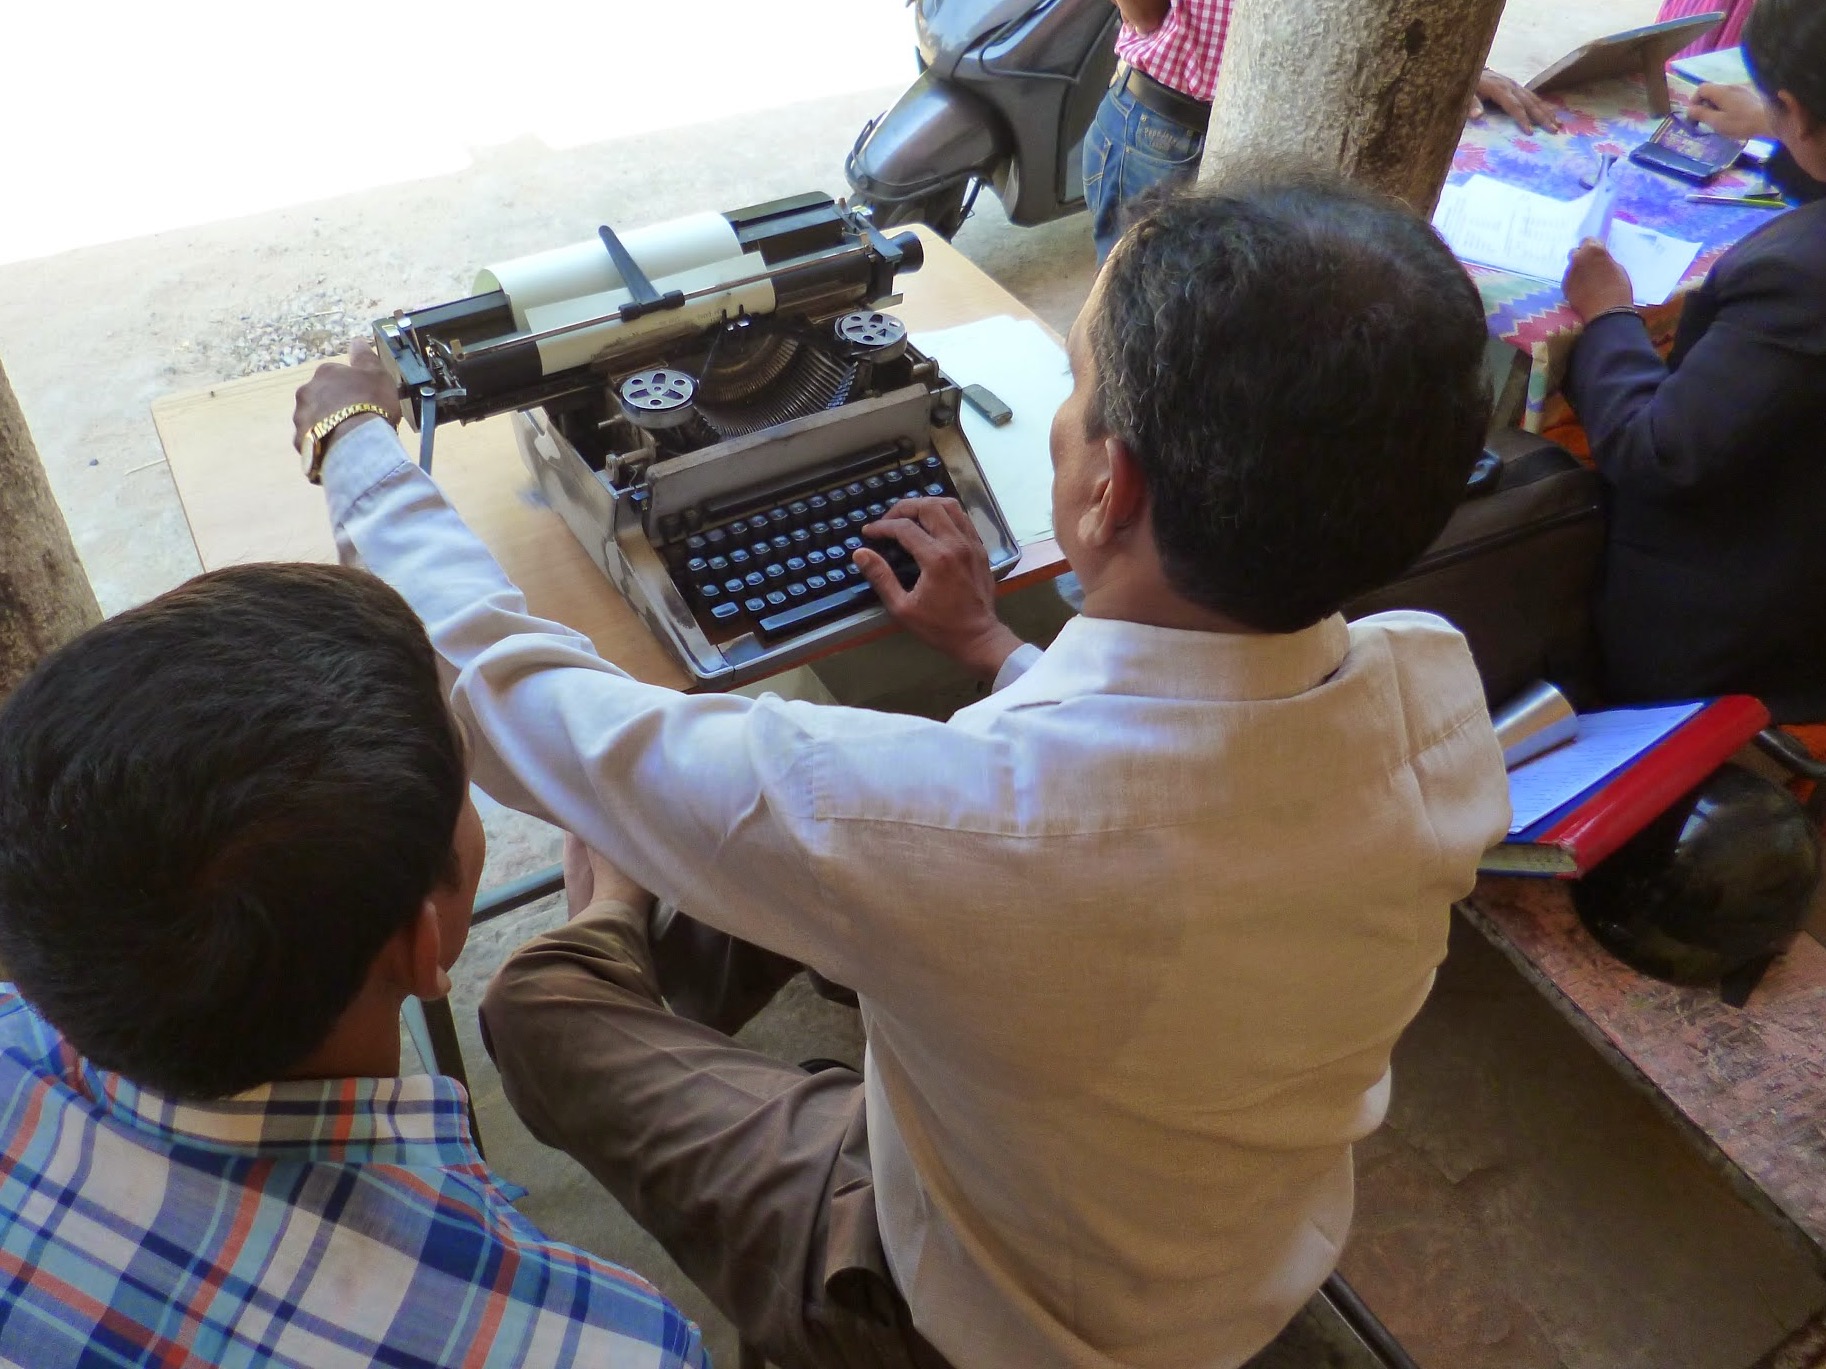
1492,223
1576,804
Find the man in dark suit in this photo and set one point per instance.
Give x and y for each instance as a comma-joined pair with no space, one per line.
1715,575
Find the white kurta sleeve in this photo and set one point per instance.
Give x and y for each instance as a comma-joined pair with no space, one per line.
706,800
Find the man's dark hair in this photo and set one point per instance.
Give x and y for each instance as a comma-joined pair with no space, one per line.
1298,370
215,809
1785,43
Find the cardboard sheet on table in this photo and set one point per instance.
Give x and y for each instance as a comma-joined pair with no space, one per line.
1029,373
1725,67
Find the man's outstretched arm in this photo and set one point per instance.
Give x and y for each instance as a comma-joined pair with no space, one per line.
707,800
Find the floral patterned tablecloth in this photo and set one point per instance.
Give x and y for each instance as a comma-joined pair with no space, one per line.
1613,117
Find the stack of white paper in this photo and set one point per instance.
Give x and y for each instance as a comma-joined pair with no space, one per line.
1495,224
1031,374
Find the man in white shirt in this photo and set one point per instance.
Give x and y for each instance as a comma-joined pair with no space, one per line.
1134,936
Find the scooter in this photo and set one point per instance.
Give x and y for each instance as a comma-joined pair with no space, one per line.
1006,91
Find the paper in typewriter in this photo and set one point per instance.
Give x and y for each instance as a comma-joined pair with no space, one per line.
1031,374
567,285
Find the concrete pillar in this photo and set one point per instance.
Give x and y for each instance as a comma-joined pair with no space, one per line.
45,597
1376,89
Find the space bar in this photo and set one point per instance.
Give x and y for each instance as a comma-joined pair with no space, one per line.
814,611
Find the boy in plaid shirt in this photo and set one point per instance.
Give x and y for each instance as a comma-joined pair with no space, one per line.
235,834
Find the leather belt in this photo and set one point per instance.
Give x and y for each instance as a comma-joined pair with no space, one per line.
1162,99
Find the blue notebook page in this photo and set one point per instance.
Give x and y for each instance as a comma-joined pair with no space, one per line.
1607,742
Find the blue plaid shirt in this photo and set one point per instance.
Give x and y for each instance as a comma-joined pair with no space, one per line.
316,1224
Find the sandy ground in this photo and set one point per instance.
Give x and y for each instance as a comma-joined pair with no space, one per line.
1522,1208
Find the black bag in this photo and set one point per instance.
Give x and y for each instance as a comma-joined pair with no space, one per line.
1515,570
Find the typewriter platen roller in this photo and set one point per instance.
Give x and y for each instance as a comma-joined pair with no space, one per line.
715,406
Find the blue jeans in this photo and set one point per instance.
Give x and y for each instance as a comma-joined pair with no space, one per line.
1128,150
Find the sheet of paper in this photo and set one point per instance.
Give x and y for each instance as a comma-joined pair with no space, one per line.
1607,741
1029,373
1656,263
707,302
585,268
1601,204
1494,224
1512,229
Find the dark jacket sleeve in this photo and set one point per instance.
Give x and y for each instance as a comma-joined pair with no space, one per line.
1740,388
1787,174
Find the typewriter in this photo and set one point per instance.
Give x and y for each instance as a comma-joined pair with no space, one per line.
716,406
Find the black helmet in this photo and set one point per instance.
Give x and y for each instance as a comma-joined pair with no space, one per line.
1720,880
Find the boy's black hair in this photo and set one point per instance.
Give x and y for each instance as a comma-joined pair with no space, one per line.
1785,44
214,811
1298,369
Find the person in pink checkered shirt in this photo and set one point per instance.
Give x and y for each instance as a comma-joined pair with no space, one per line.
1150,129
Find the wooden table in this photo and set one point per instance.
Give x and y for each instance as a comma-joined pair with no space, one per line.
1745,1086
229,449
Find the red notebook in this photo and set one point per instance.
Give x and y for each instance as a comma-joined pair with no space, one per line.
1576,836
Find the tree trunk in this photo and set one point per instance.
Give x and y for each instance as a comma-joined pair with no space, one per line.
1376,89
45,598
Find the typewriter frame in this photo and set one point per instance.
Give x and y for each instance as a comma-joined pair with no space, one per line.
616,524
467,360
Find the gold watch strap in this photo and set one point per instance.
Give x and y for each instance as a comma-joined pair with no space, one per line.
317,439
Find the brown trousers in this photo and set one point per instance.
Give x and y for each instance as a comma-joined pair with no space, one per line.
753,1174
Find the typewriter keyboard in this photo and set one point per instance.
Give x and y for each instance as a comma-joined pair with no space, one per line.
781,566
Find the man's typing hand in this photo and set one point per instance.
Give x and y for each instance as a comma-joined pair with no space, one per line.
952,605
337,384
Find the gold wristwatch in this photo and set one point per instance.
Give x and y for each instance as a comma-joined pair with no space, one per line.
318,438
